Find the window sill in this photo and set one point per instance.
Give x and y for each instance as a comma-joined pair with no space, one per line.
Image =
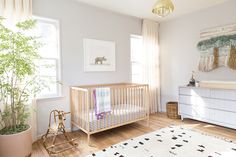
52,98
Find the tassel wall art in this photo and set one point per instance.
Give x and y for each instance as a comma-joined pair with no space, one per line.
217,48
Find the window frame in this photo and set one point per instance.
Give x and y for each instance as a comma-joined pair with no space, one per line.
56,23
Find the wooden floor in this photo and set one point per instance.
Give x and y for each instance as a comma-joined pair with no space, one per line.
107,138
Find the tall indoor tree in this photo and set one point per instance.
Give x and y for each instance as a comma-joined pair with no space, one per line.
18,75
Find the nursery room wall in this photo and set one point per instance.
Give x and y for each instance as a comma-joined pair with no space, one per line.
78,21
179,55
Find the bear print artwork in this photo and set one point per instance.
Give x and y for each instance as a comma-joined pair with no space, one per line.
171,142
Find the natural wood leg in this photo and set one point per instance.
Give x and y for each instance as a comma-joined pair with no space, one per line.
71,127
148,121
88,139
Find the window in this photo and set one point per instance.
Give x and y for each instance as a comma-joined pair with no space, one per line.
137,62
49,64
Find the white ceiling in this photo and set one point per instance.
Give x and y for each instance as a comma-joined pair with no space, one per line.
142,8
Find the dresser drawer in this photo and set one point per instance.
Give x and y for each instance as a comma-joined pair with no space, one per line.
194,100
196,112
218,104
223,94
225,117
208,115
195,92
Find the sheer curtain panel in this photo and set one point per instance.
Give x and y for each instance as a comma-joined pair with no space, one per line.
16,10
152,67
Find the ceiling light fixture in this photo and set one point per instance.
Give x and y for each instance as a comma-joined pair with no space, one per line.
163,8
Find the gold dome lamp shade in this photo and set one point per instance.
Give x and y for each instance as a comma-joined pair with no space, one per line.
163,8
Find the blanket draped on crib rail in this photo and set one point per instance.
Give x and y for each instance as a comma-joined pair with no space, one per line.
102,102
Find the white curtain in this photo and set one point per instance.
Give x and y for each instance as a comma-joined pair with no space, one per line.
16,11
152,67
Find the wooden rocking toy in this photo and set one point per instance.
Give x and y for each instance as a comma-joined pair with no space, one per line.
56,127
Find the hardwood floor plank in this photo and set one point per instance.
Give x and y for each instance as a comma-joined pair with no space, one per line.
110,137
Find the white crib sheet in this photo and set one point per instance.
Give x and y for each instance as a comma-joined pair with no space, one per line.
120,114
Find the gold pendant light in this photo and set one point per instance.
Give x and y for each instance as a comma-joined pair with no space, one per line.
163,7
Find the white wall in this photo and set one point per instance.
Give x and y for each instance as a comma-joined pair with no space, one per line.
78,21
179,56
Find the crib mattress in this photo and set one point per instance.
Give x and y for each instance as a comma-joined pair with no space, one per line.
120,114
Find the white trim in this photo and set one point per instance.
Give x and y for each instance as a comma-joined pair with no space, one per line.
136,36
52,98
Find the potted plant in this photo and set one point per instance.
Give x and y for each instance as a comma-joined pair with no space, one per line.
18,83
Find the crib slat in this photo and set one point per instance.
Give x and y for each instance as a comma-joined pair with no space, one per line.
112,107
139,103
88,106
123,105
82,109
117,109
145,100
132,106
120,106
72,107
142,97
136,104
92,110
139,99
107,116
131,102
79,103
97,122
128,102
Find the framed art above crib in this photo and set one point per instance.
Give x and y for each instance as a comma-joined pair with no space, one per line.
99,55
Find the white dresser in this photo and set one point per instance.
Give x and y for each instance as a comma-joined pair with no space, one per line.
217,106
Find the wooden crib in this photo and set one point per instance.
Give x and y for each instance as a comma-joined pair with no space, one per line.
129,103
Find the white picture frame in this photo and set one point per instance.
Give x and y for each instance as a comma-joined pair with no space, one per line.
99,55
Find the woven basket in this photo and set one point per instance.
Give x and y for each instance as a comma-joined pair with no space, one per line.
172,110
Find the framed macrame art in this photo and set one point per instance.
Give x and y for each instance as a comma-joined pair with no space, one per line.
217,48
